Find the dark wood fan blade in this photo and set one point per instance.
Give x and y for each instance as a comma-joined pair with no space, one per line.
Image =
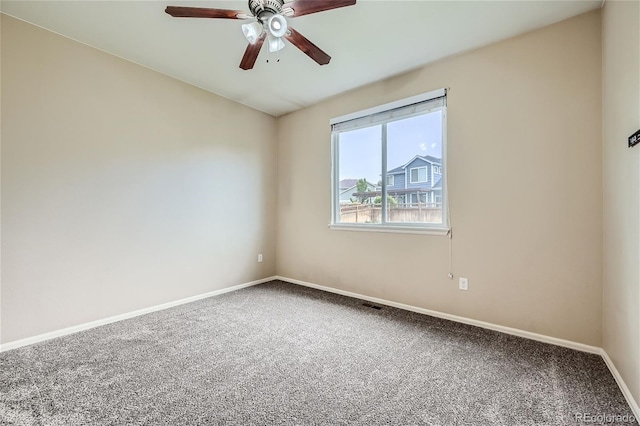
310,49
305,7
203,12
251,54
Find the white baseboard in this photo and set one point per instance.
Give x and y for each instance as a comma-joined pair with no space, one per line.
621,384
81,327
508,330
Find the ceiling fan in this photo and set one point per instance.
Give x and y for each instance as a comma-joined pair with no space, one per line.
271,24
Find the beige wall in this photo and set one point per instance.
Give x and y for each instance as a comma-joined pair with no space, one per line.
621,168
524,126
116,189
122,188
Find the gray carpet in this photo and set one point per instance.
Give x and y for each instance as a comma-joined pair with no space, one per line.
278,353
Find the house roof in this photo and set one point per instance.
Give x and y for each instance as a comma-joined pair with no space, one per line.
432,159
347,183
355,188
396,171
427,158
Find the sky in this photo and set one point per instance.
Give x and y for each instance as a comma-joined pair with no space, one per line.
361,152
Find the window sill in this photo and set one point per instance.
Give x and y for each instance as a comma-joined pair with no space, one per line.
396,229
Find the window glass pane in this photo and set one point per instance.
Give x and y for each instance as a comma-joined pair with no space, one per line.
418,174
359,174
422,174
414,157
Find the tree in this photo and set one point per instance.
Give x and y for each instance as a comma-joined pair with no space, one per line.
390,200
361,187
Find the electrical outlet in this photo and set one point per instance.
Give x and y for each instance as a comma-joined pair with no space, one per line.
260,258
463,284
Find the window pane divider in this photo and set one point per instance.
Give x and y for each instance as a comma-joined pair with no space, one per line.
383,195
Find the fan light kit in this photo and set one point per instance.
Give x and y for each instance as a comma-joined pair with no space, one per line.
270,23
252,31
275,44
277,25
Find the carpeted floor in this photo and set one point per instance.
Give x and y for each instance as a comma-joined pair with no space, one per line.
278,353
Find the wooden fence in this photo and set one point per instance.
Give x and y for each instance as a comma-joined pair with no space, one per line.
402,213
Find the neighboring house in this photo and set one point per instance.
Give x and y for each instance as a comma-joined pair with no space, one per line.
418,181
349,188
347,183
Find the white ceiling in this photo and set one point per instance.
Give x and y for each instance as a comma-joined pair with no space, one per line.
367,42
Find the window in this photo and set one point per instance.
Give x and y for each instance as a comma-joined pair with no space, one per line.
418,175
400,145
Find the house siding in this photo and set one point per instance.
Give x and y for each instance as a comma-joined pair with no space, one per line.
398,181
418,162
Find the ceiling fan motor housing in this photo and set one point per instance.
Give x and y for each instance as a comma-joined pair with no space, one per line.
263,9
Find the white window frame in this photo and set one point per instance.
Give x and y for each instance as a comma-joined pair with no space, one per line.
418,169
393,227
393,180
